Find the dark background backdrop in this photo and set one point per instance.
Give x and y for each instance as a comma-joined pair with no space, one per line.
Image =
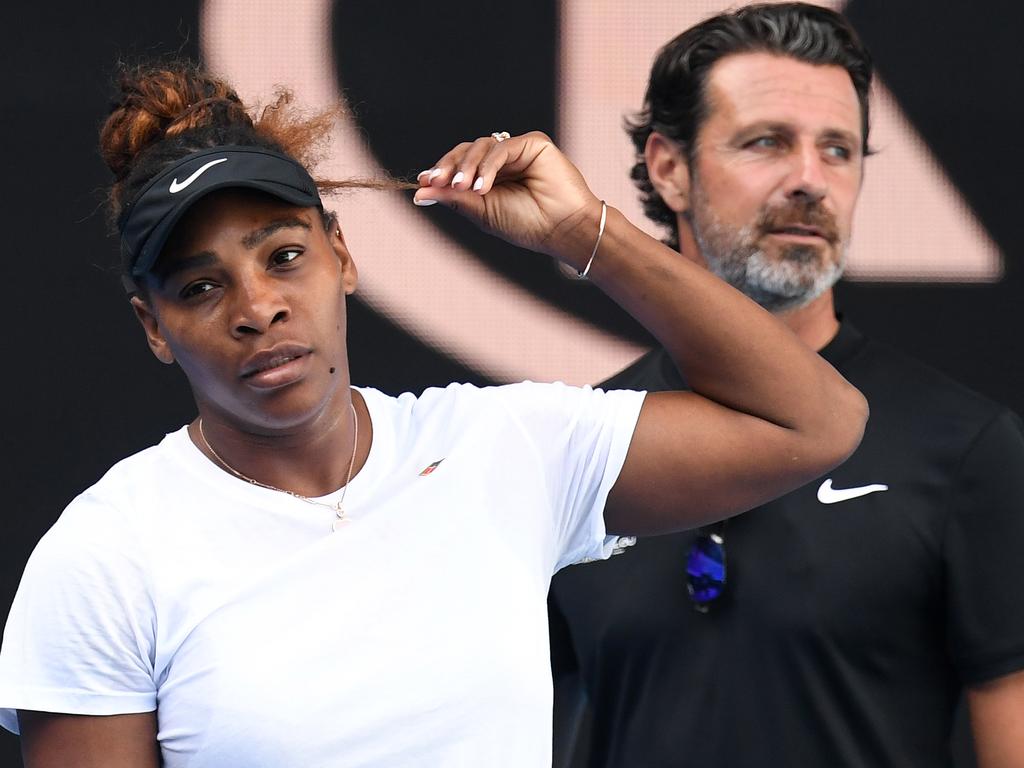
80,389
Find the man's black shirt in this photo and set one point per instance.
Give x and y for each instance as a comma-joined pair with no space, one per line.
847,628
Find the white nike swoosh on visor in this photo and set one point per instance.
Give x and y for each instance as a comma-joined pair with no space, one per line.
829,495
176,187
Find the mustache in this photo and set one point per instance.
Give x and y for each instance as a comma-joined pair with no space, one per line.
809,215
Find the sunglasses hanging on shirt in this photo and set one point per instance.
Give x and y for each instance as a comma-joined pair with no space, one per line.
705,567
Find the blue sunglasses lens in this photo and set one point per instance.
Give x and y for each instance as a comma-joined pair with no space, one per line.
705,570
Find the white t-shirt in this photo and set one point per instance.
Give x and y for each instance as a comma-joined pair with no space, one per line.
416,635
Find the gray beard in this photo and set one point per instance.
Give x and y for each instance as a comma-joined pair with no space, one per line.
793,279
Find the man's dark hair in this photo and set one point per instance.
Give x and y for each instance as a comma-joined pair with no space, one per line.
676,101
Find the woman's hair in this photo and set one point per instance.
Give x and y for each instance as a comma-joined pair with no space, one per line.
164,112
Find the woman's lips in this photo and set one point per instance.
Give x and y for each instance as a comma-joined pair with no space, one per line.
275,367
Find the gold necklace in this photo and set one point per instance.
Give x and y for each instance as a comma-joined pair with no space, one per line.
338,507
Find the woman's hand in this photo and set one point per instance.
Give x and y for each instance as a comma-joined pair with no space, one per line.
522,189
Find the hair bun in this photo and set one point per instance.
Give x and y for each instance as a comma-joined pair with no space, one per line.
157,102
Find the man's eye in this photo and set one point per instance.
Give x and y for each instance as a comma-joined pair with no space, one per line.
285,256
769,142
838,151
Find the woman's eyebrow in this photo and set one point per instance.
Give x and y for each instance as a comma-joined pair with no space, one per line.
166,269
257,236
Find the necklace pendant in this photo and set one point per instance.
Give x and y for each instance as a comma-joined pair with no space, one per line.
339,519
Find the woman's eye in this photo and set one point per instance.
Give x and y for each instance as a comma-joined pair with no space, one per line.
197,288
285,256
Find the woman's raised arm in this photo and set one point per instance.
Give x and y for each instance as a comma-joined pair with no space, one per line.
766,414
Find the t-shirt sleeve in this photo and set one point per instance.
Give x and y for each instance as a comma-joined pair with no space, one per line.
582,436
982,552
79,637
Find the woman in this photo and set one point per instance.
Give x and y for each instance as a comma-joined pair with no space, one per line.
311,574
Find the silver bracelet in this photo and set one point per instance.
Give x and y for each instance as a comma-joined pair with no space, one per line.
600,233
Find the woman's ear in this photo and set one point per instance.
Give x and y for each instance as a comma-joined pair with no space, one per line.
669,171
151,325
350,275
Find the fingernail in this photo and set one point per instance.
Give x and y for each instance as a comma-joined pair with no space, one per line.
434,174
458,177
478,184
421,174
423,203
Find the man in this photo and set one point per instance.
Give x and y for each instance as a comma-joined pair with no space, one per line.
838,625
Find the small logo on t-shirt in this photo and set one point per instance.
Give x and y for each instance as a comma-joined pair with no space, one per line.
829,495
427,470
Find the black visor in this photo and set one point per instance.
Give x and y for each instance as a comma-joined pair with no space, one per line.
147,222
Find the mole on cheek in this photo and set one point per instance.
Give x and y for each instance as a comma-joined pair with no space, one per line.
332,369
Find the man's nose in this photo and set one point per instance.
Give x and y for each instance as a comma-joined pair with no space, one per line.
807,180
258,305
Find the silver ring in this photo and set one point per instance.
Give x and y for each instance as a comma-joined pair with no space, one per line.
500,136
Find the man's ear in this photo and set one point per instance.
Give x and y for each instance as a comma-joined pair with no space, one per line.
151,325
669,171
350,275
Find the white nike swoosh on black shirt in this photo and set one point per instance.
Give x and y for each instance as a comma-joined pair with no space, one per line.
829,495
176,187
